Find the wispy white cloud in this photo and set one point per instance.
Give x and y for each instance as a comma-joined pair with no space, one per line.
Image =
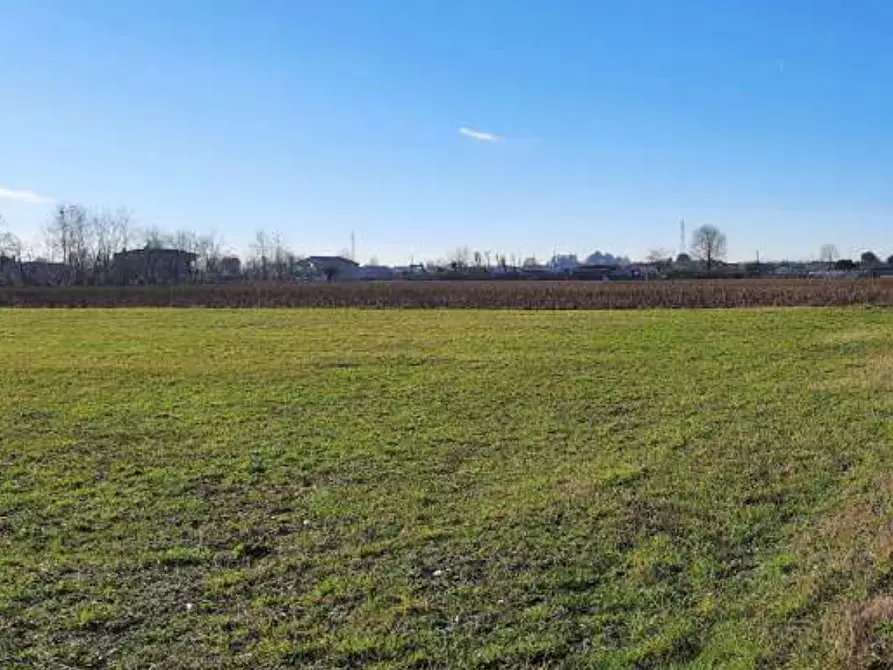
24,196
479,135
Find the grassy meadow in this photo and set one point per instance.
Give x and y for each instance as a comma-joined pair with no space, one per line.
468,489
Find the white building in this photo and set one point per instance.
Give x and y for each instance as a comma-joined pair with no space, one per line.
565,263
599,258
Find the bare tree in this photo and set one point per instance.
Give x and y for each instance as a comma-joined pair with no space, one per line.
659,255
828,254
282,258
84,244
209,249
155,238
260,250
122,223
10,244
708,244
460,258
109,233
869,259
184,240
58,235
105,243
70,238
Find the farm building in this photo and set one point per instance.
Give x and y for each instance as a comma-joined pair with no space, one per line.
332,268
33,273
153,266
10,272
45,273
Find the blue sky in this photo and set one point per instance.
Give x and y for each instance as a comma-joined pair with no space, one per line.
614,119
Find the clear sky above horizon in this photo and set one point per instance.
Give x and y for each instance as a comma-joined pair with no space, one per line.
421,125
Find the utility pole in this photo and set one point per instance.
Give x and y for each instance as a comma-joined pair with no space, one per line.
681,236
353,247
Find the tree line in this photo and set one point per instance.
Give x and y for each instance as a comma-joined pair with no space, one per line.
87,239
709,246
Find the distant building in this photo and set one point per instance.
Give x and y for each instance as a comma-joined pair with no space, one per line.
10,273
44,273
563,263
376,272
785,269
410,270
153,266
591,271
598,258
331,268
532,265
883,271
230,267
643,270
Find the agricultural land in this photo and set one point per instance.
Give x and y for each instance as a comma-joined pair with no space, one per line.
507,294
326,488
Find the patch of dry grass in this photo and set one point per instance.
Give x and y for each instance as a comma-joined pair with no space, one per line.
873,373
851,336
866,634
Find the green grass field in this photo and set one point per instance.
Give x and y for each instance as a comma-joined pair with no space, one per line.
259,489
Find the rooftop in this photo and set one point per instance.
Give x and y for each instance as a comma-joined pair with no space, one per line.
150,251
331,259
